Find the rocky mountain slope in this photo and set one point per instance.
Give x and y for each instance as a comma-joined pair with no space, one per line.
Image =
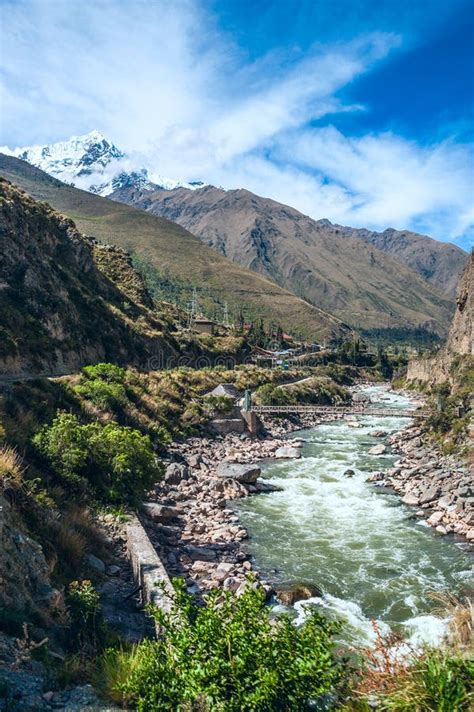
94,163
441,263
66,301
363,285
170,249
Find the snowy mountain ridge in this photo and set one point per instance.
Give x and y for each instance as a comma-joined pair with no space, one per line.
94,163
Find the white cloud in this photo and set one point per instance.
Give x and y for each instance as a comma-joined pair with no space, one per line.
386,180
163,82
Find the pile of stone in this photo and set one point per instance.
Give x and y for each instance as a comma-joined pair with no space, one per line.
439,486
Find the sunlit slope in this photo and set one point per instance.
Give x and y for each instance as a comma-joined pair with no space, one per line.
173,249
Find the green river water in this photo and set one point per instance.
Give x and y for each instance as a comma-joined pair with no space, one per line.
367,552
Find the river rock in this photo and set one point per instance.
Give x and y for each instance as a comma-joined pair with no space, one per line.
200,553
378,433
95,563
287,452
245,474
353,424
176,472
349,473
195,460
377,449
411,499
159,512
435,519
263,486
289,595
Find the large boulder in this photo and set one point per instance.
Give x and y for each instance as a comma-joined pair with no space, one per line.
290,594
377,449
159,512
246,474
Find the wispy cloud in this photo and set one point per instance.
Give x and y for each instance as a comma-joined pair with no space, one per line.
165,83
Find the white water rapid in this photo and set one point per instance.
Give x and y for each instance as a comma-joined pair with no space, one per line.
367,552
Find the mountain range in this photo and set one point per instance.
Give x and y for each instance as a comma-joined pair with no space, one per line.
366,279
94,163
173,254
335,268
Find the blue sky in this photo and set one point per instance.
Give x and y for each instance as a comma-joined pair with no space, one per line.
358,111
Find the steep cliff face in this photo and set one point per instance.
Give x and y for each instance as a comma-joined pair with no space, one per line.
65,300
461,334
25,584
460,340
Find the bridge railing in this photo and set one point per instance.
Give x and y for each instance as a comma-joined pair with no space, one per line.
338,410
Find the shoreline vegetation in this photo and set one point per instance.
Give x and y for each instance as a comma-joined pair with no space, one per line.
198,538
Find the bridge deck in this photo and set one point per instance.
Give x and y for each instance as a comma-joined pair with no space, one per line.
339,410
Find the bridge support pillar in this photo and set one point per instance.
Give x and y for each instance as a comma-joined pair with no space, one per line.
254,424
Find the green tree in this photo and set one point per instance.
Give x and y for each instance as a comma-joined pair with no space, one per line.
114,463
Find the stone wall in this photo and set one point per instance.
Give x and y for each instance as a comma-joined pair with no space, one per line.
148,569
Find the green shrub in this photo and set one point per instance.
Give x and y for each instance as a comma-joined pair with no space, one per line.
438,682
228,655
102,384
105,395
105,371
115,463
219,404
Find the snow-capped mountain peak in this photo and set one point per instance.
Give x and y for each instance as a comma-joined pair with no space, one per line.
94,163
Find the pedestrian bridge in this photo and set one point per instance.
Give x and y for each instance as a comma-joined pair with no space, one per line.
338,410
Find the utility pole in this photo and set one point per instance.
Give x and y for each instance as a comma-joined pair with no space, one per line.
226,315
193,308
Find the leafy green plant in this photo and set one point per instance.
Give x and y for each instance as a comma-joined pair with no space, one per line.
109,372
436,682
114,462
227,655
102,384
218,404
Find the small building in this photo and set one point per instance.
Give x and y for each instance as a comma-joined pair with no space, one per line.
228,390
203,325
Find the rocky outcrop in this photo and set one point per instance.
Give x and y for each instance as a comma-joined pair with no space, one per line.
460,339
25,586
60,307
461,334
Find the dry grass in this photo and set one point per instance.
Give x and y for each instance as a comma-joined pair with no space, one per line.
461,619
11,468
384,668
71,544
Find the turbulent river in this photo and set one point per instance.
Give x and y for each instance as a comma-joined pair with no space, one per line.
367,552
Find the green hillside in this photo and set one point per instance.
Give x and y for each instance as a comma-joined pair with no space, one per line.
173,250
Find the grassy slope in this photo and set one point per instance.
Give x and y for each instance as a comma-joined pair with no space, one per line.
169,247
363,286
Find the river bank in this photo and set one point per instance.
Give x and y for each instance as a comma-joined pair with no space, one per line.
197,531
440,487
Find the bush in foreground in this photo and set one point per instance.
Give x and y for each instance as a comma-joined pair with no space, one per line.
115,463
228,655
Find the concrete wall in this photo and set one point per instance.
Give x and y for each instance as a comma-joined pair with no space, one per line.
148,569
